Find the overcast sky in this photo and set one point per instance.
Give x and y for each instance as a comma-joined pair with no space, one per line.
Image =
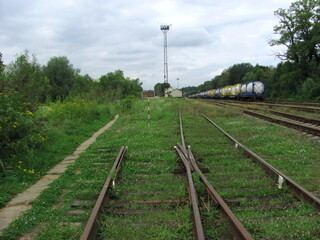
100,36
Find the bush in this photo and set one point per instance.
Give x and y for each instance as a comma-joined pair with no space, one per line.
127,103
73,111
19,131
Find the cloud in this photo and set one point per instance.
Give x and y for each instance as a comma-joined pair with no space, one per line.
102,36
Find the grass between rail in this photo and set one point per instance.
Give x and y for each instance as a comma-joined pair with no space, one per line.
57,214
236,177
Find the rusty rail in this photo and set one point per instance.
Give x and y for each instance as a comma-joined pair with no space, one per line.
303,109
281,114
91,228
181,150
300,192
311,130
297,118
238,231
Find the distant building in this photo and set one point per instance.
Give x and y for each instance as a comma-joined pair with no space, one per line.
173,92
148,94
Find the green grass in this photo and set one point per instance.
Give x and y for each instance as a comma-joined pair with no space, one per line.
59,145
152,159
150,155
236,176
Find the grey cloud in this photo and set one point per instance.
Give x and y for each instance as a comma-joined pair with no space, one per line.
101,36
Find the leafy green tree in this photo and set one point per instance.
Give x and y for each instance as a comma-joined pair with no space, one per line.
2,75
61,75
25,76
1,63
299,31
237,72
117,86
186,91
159,88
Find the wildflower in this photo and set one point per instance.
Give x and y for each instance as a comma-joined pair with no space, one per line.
43,138
29,113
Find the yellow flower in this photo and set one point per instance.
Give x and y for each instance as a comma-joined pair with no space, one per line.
29,113
43,138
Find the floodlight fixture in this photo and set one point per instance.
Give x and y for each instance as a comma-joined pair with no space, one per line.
165,27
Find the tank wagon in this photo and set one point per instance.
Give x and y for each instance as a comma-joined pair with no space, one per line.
254,90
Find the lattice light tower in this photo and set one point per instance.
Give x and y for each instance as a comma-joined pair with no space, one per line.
165,29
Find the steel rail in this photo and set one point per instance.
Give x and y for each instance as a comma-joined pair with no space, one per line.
313,109
296,103
298,190
193,198
281,114
297,118
303,109
91,227
296,126
182,151
238,231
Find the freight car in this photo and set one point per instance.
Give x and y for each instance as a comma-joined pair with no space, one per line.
255,90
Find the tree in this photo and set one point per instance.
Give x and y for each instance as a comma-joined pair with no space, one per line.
1,63
25,76
118,87
299,31
61,75
238,71
159,88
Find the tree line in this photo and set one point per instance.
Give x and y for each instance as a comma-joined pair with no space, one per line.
58,79
38,103
298,74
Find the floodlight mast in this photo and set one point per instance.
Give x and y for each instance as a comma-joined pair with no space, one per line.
165,29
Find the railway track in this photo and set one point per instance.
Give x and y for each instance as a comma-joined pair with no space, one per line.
130,208
315,104
262,203
298,107
308,125
237,231
148,198
313,108
288,122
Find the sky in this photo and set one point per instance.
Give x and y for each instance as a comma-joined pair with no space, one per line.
101,36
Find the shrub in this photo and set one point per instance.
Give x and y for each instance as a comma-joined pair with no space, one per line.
18,129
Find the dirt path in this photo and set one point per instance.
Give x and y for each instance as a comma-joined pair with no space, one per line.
21,202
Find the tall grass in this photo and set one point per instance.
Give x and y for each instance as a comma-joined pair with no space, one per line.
61,127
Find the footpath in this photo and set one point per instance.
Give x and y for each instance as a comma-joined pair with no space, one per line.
22,202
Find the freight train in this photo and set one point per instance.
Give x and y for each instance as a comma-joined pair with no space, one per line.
255,90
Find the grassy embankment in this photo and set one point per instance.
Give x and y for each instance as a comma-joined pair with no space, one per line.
150,158
63,126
